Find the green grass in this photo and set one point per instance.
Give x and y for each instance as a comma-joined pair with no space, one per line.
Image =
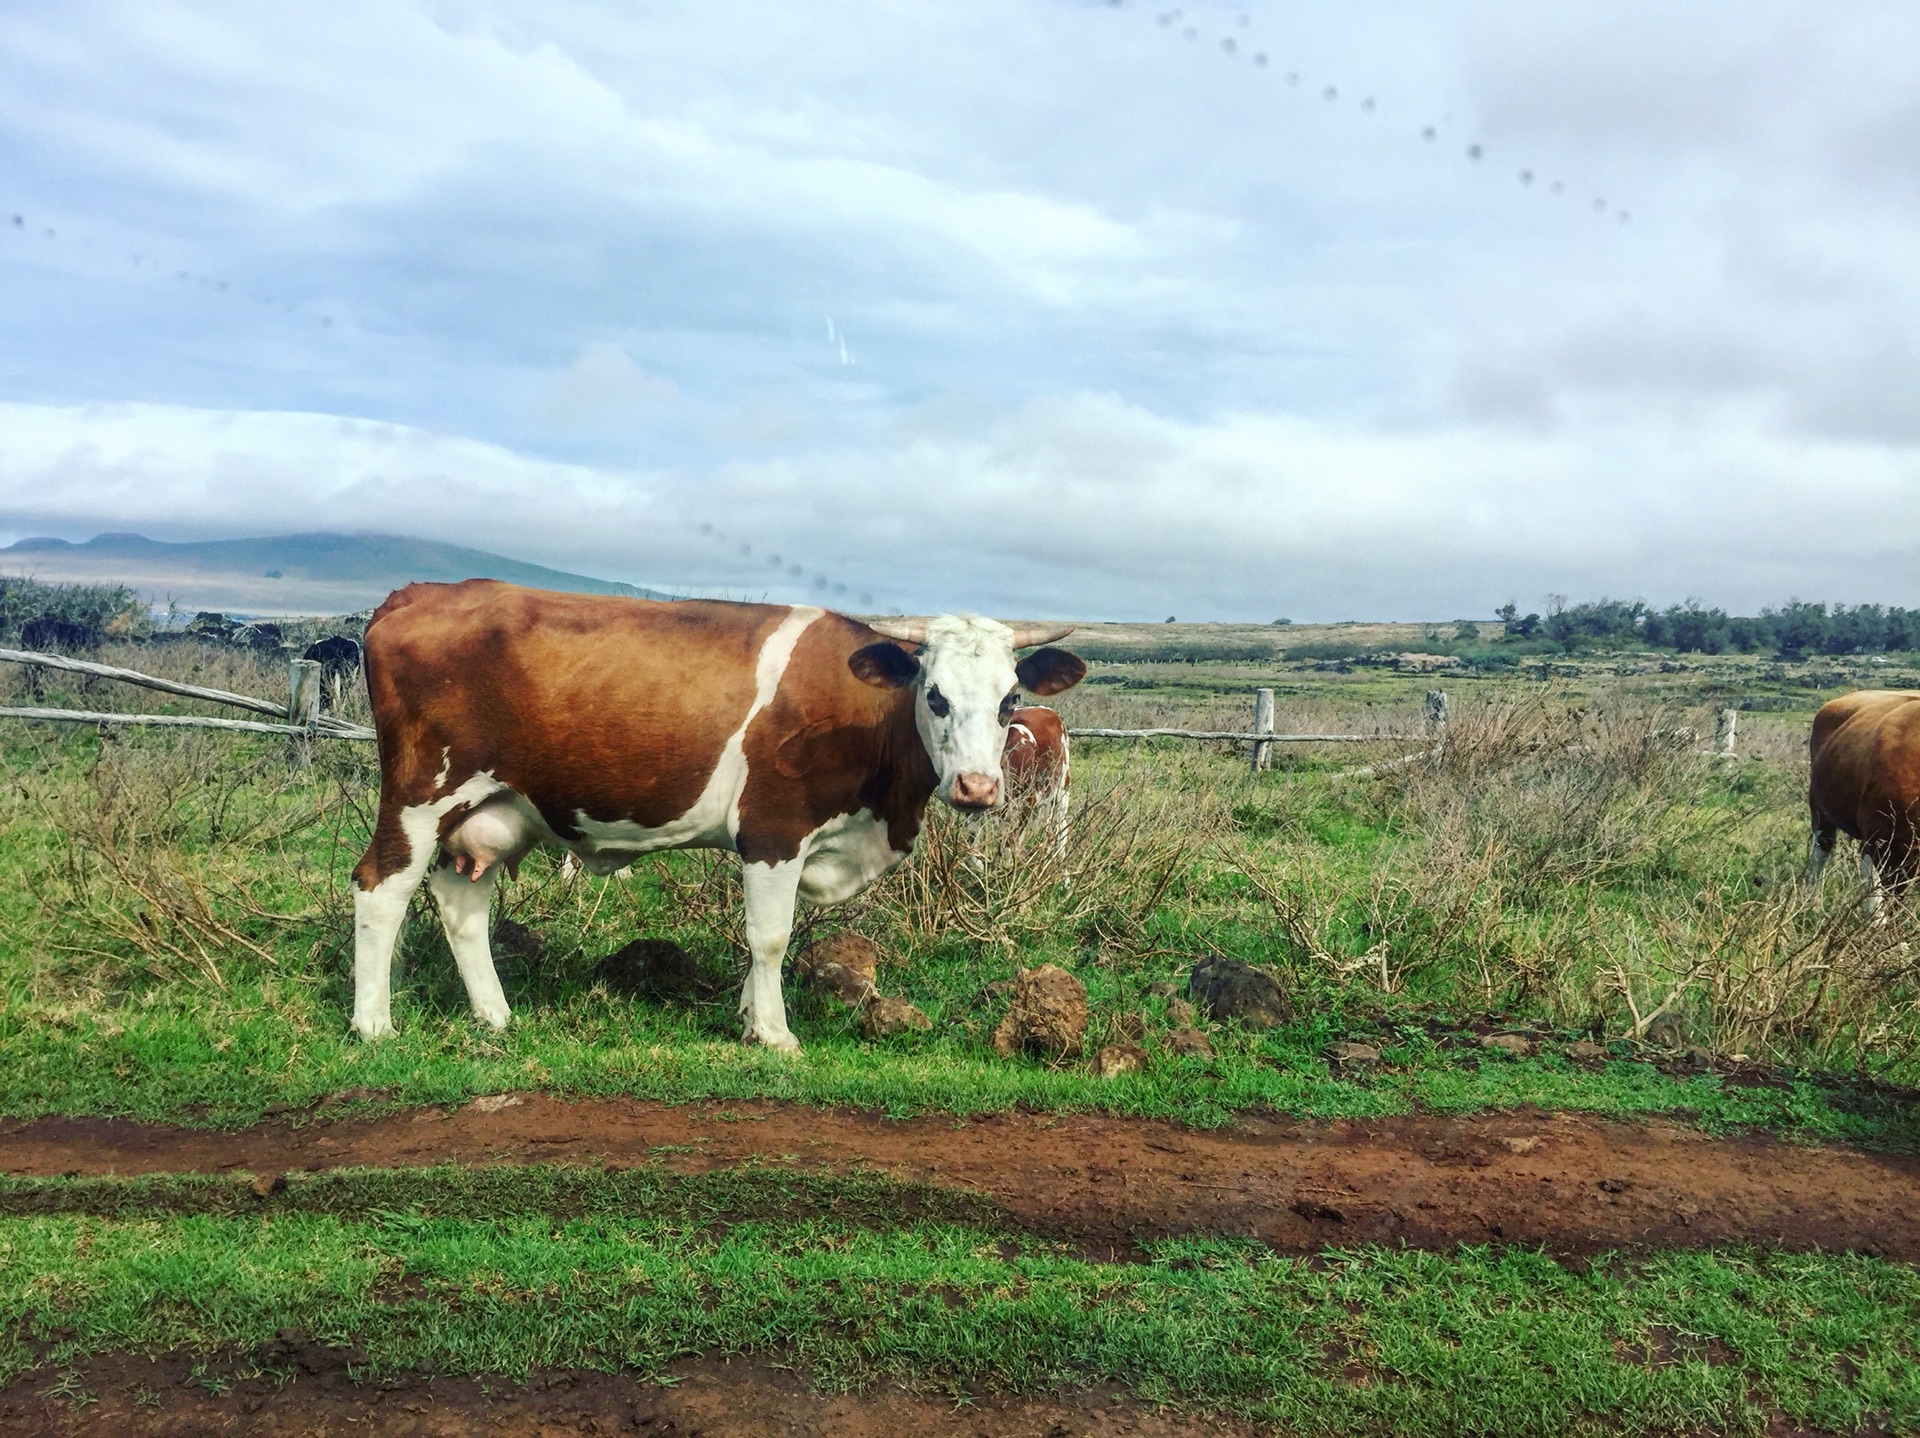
1477,1341
170,1066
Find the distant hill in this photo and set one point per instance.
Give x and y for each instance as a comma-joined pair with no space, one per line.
283,574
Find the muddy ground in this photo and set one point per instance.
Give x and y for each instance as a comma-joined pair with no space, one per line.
708,1398
1569,1183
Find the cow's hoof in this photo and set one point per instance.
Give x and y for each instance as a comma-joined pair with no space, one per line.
372,1030
779,1043
495,1019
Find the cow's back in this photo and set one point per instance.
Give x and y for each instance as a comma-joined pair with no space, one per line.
590,703
1864,768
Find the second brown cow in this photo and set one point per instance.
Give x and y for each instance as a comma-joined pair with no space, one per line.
1865,782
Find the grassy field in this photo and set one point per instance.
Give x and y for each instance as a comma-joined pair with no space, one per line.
176,936
1477,1341
175,944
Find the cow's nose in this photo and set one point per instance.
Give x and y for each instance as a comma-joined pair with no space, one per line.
975,791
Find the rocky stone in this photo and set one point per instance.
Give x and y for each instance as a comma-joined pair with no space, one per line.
658,968
265,1185
1348,1055
1180,1014
845,965
1117,1059
1232,989
1585,1051
1515,1045
1048,1014
1666,1033
1161,989
1190,1044
883,1016
494,1102
513,940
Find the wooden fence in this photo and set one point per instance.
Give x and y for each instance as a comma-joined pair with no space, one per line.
300,715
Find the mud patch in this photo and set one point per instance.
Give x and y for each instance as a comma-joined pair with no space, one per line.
1569,1183
312,1392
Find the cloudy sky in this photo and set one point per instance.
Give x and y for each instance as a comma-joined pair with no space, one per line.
1327,310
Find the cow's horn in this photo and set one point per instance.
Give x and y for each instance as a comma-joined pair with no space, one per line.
913,631
1025,636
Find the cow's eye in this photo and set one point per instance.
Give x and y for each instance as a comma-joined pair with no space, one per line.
937,702
1007,706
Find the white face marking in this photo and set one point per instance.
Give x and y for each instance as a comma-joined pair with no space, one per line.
966,674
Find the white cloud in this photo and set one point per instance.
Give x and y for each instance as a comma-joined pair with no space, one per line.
605,389
1140,326
1084,506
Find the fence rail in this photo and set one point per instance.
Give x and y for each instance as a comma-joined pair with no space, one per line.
301,716
1257,736
300,713
179,721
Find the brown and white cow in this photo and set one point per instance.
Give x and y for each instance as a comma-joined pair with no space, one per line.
804,741
1865,781
1037,764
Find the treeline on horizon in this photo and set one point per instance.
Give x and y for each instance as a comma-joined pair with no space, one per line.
1793,631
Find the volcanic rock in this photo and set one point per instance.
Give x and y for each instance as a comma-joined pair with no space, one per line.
1347,1056
1517,1045
1117,1059
1189,1043
844,965
516,941
1230,989
658,968
1048,1014
884,1016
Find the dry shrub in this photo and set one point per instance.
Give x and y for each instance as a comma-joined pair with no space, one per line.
161,856
1006,879
1587,861
1782,974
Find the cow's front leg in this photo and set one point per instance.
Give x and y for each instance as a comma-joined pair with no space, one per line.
383,885
771,890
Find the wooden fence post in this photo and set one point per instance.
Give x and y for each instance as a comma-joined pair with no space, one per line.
1723,731
1437,718
303,691
1262,724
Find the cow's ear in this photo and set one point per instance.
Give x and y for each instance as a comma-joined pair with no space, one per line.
884,665
1050,671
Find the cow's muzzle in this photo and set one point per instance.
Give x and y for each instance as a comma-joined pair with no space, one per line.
974,792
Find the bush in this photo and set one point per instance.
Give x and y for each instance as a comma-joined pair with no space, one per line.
100,610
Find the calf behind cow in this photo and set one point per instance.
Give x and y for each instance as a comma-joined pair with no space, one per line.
1038,765
804,741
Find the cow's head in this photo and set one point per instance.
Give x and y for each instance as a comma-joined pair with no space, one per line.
967,674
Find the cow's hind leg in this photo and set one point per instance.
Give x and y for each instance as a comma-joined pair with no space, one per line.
1876,904
771,892
464,908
